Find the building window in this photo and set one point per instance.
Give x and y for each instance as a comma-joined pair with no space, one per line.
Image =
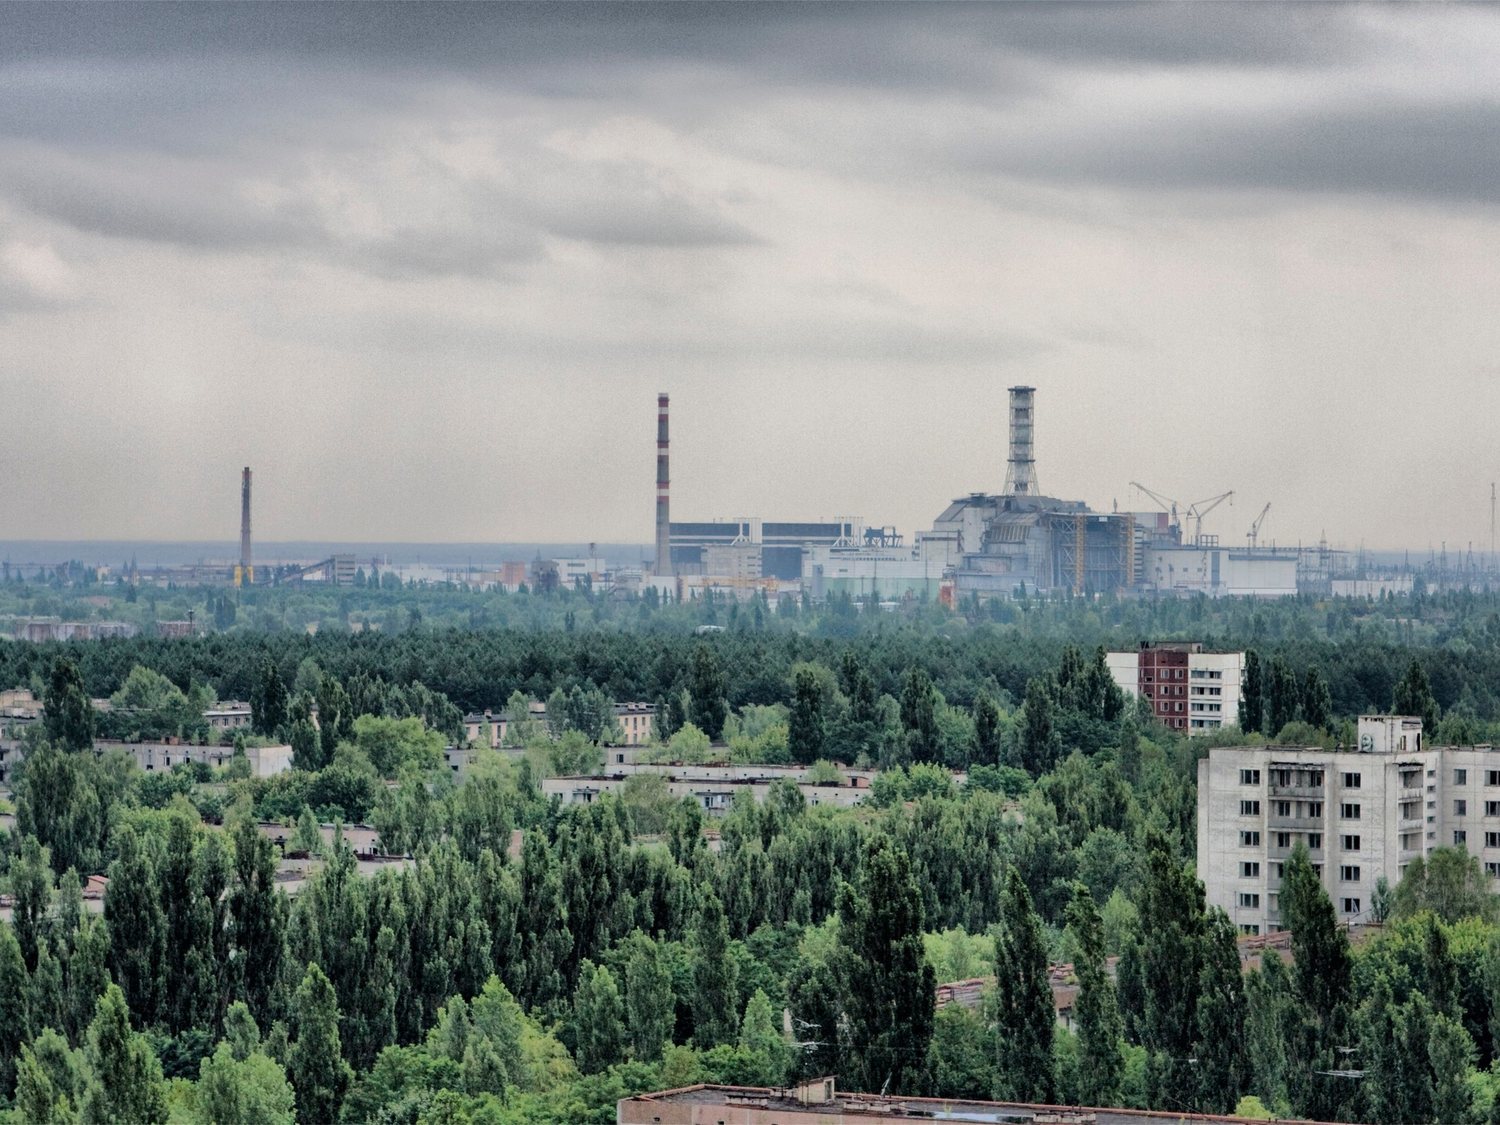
1351,781
1315,842
1249,899
1349,873
1460,808
1250,839
1492,870
1349,810
1492,777
1460,777
1249,869
1283,839
1249,777
1492,808
1460,837
1249,808
1349,843
1351,905
1281,808
1279,869
1249,928
1315,809
1492,839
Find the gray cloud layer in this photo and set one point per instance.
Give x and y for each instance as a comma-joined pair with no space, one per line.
424,264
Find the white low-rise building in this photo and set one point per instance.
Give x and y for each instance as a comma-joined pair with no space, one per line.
713,787
1363,813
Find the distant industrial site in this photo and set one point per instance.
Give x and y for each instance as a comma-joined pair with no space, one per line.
1015,543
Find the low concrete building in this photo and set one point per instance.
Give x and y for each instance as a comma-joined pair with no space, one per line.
228,714
818,1101
713,787
265,761
636,721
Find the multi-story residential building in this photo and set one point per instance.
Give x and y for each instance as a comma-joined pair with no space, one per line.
1362,813
1189,689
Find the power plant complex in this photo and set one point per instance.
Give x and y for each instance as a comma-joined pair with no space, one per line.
1013,543
1003,545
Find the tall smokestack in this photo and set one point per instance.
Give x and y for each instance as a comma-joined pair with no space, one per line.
1020,474
246,568
663,488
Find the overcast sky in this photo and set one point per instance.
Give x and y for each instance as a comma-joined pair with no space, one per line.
425,268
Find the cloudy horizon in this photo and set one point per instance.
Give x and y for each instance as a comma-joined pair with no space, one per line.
425,268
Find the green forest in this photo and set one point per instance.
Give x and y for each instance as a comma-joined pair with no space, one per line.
622,948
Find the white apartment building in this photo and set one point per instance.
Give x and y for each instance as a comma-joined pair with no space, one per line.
1190,690
1362,813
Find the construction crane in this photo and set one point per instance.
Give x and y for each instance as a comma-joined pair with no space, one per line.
1168,505
1253,538
1197,511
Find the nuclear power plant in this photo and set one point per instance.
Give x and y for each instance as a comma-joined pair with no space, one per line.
1007,544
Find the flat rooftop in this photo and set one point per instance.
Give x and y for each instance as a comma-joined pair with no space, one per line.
759,1106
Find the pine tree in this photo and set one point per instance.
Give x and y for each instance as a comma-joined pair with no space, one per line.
124,1076
805,729
1038,738
1252,695
48,1081
1022,1003
1170,966
1281,706
987,729
317,1069
706,688
1413,696
715,996
919,716
888,982
1321,974
598,1020
14,1019
137,927
1220,1016
67,713
243,1090
1096,1011
1317,703
649,999
268,700
761,1039
257,916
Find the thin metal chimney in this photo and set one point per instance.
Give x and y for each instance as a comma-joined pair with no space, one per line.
1020,475
247,569
663,490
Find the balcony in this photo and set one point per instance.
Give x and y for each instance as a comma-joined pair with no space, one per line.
1294,823
1410,824
1306,792
1273,852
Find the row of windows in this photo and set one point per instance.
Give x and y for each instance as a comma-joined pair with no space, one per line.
1348,810
1250,869
1351,780
1461,808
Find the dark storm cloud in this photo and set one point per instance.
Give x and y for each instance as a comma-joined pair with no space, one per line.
1445,152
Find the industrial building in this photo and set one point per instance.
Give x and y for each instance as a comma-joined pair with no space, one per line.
1215,571
1363,813
1022,540
1190,690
